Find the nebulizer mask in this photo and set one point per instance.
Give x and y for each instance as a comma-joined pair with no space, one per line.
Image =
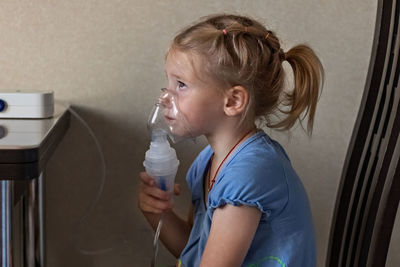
166,117
161,162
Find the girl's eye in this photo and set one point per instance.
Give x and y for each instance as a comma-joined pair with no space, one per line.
181,85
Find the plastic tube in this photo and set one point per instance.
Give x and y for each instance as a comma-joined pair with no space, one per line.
155,241
95,201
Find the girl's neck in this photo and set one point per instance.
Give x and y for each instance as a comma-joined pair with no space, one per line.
223,141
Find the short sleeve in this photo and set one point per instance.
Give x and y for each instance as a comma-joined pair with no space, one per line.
255,179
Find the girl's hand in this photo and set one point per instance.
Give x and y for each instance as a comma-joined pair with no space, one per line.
151,198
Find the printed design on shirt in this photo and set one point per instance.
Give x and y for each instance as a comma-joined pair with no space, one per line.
263,260
179,262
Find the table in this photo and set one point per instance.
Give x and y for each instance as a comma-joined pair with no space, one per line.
25,147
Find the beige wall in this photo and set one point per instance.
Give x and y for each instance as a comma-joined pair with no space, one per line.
105,58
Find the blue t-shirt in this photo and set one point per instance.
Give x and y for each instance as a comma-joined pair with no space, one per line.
258,174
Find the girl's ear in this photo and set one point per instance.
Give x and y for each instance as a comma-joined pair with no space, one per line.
236,99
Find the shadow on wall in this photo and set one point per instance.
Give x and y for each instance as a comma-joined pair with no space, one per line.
92,218
81,222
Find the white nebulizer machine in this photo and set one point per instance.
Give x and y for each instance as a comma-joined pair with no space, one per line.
29,105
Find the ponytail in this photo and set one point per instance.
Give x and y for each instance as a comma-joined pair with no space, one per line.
308,76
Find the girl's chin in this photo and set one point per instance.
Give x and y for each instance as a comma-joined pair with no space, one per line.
181,133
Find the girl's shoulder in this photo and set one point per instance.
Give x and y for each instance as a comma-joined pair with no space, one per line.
258,158
255,175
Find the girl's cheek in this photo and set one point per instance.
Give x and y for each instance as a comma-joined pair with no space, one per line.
182,109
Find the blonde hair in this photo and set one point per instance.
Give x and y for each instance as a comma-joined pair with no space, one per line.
238,50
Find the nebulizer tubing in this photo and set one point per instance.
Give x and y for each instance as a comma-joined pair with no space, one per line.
95,201
155,241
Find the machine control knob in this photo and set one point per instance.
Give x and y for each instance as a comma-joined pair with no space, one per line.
3,105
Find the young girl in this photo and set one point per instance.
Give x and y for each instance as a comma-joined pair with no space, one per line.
249,207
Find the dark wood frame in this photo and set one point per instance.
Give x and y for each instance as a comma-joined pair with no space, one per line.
369,192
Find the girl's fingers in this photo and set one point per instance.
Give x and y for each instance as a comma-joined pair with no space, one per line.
151,204
155,192
146,208
153,199
149,187
147,179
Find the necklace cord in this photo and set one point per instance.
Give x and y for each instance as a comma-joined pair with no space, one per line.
211,184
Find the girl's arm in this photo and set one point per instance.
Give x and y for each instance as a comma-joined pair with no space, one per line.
232,231
153,202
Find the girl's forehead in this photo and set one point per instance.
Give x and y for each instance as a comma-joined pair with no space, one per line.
181,64
189,67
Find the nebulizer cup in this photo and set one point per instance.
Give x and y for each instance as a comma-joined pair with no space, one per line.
161,161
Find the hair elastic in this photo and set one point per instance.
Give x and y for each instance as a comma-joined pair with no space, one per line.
266,36
224,31
282,55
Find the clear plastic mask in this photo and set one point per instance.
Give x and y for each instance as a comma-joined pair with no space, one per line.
167,118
